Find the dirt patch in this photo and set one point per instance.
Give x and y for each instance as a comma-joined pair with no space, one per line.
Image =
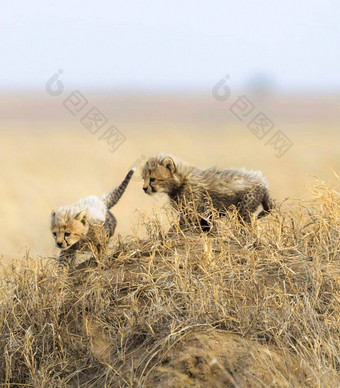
220,359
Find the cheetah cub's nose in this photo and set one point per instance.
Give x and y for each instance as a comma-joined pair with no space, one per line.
145,188
59,244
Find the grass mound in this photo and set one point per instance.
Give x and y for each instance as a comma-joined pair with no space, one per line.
253,307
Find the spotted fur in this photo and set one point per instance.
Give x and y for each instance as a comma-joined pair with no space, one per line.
185,184
87,224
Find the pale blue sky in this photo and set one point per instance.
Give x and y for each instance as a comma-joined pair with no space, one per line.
158,45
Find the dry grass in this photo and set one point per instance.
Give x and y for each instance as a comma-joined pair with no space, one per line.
233,308
253,307
49,159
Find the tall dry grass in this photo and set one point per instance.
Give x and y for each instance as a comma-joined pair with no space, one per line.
274,284
47,164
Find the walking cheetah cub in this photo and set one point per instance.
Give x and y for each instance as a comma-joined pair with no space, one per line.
84,225
206,189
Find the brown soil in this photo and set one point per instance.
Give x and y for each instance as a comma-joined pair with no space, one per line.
220,359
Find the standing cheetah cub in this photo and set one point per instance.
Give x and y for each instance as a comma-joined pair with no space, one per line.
84,225
185,184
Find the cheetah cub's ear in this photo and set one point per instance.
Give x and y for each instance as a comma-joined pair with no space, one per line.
52,214
169,164
82,217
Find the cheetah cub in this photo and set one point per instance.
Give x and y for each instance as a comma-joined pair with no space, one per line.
84,225
206,189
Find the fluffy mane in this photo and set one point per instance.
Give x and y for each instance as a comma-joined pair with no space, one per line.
94,206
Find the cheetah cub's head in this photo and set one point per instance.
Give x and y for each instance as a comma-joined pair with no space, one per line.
68,228
159,174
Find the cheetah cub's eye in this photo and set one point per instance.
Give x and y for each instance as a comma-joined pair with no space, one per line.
67,234
152,179
54,234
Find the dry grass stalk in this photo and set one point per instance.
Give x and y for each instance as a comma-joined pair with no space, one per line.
139,317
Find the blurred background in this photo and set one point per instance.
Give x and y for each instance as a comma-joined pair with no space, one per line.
88,90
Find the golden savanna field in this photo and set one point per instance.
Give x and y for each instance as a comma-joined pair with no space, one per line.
254,307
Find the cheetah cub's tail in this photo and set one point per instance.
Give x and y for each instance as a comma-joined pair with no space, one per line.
112,198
